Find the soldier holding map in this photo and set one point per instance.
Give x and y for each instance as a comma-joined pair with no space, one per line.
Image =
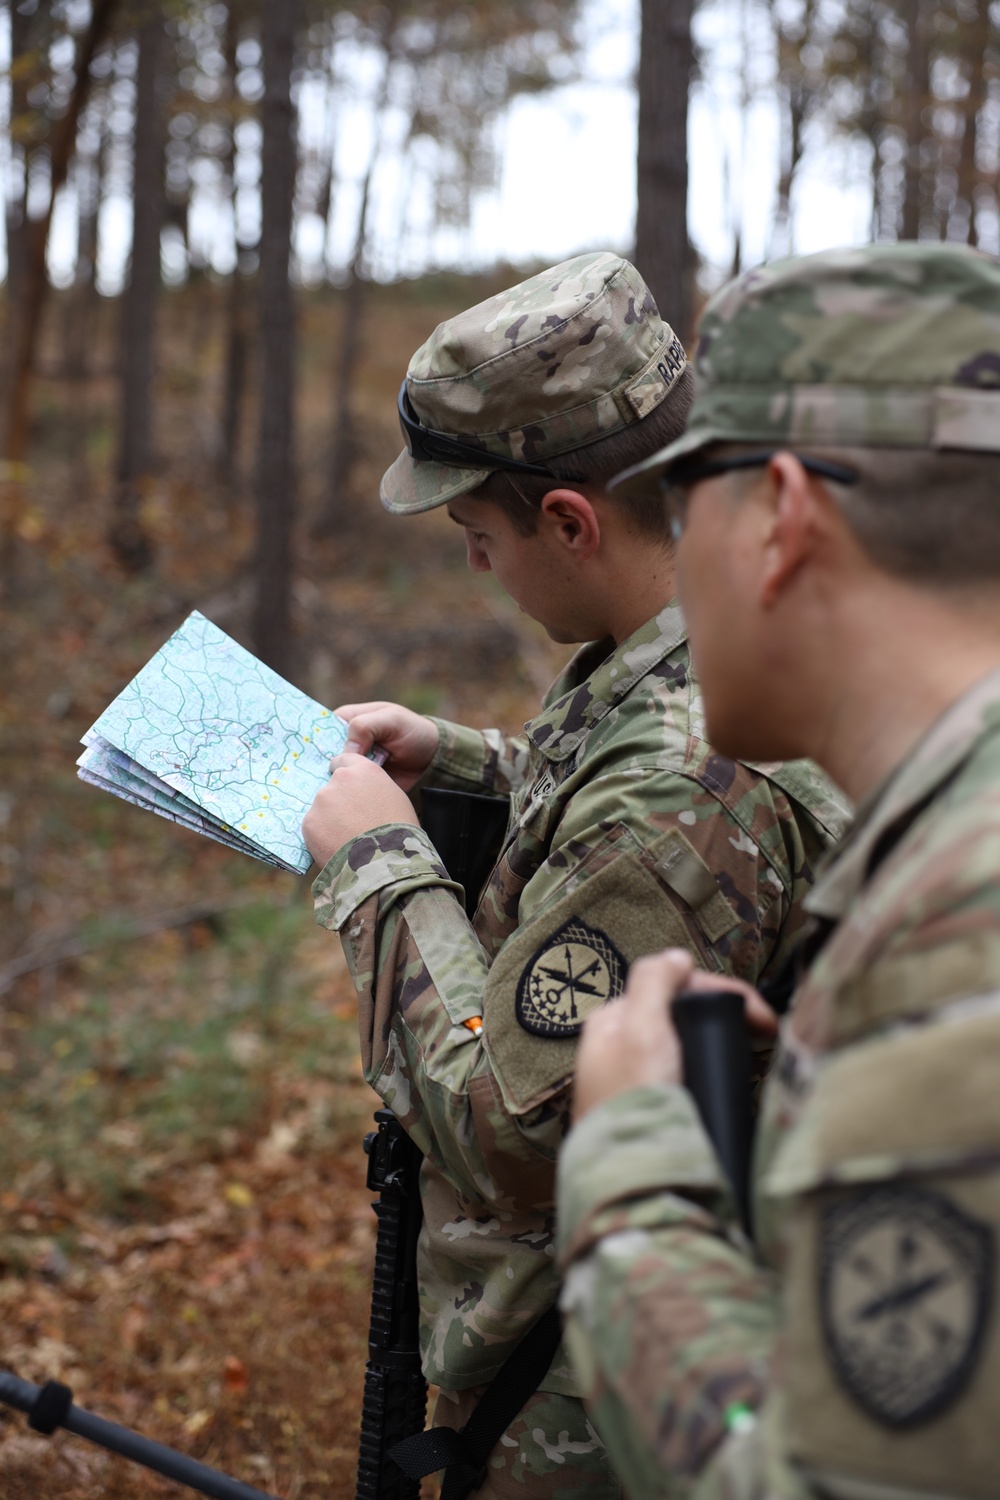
626,828
838,500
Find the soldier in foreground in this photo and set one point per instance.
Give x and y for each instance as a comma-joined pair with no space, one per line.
838,501
624,825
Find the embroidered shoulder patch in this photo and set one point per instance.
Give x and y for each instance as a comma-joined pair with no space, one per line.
575,970
905,1293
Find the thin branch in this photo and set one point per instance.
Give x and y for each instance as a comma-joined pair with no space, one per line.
77,943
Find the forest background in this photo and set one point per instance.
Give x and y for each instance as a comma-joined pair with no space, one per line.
226,228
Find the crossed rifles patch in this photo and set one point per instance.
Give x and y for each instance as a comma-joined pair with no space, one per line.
575,970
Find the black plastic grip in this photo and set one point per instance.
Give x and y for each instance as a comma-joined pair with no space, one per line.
715,1045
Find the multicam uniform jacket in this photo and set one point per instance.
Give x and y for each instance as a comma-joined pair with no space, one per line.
626,833
865,1335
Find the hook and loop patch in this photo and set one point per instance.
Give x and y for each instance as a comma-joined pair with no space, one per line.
574,971
906,1286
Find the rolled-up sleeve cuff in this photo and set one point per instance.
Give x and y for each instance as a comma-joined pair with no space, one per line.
648,1141
397,854
463,758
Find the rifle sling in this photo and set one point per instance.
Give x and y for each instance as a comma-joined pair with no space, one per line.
463,1454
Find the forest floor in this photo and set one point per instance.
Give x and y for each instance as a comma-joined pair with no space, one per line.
185,1235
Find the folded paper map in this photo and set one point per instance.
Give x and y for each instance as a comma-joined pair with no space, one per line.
210,737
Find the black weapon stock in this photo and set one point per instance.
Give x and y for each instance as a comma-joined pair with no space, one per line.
715,1044
395,1396
51,1406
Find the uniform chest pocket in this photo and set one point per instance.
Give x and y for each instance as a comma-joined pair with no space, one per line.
891,1186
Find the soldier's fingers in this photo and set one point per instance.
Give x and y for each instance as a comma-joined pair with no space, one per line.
376,726
350,711
600,1026
348,760
361,738
760,1016
654,981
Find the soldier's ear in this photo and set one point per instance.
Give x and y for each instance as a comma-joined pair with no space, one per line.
573,522
787,517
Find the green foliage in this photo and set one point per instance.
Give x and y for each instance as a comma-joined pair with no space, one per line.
173,1063
422,698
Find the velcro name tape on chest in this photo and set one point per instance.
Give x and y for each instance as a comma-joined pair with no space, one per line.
551,973
536,806
683,870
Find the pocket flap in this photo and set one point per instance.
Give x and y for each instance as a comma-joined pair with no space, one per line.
922,1098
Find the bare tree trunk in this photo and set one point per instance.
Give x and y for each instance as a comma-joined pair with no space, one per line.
917,98
234,390
128,537
237,308
792,124
82,305
17,204
275,466
35,280
662,248
974,41
83,299
335,515
870,122
781,233
343,448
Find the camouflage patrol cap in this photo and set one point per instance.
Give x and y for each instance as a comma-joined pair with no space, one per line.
558,361
892,346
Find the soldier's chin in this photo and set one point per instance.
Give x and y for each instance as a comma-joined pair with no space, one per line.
561,634
737,735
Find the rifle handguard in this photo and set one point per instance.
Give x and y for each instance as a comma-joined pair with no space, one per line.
395,1395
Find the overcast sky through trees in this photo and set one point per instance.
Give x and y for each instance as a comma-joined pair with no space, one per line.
565,166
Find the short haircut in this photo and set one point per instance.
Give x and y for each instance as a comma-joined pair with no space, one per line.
521,495
927,515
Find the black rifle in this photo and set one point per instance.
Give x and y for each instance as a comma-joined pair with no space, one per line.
51,1406
715,1045
467,830
395,1396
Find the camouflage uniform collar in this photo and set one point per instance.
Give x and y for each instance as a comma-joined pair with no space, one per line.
585,693
948,744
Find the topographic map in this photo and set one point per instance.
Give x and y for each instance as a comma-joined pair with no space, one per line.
210,737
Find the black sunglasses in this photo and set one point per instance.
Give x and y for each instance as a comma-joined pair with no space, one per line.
428,446
684,476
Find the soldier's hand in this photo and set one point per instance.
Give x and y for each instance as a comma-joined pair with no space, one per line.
358,797
410,740
632,1041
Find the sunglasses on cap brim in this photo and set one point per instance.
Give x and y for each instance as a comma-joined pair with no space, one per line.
688,472
677,483
427,446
